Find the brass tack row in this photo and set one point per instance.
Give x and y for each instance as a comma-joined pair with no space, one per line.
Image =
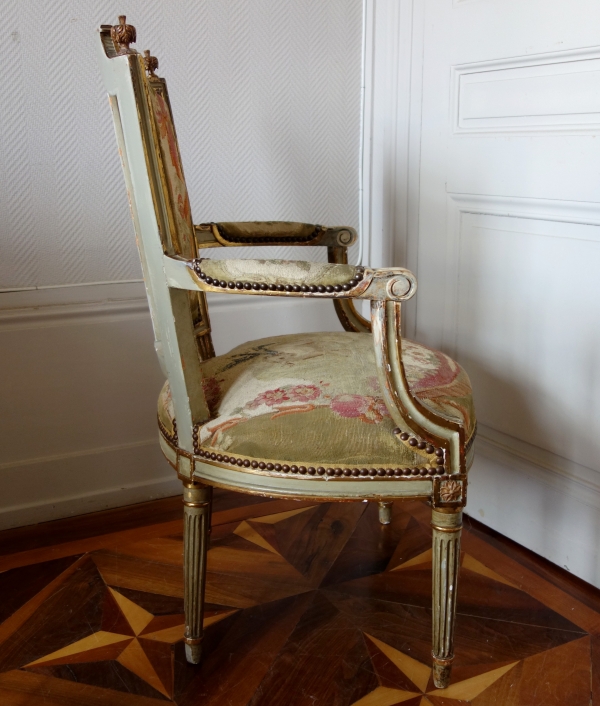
164,431
438,470
312,470
320,470
421,445
321,289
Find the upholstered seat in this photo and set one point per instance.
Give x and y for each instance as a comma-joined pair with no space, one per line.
315,399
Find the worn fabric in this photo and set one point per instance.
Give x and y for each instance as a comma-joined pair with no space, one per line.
315,398
261,229
182,231
278,271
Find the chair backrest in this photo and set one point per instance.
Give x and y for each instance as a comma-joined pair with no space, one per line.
161,214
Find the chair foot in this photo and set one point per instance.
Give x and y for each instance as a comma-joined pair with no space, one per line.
385,513
193,653
442,670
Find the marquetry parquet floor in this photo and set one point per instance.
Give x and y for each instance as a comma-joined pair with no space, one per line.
308,605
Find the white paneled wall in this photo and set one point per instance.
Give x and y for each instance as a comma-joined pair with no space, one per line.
267,104
499,116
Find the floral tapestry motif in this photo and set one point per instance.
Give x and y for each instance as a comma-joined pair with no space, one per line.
318,395
304,397
174,175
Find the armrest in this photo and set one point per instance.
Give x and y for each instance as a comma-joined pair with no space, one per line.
253,233
290,278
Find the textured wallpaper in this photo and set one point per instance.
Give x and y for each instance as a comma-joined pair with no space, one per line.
266,97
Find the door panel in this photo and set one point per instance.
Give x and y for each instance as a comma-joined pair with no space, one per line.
509,214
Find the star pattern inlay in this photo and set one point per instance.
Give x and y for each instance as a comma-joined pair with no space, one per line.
132,636
419,676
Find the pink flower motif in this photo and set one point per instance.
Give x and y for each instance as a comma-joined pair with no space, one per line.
380,408
270,398
304,393
369,409
350,405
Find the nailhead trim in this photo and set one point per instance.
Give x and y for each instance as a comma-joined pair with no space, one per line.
171,437
439,470
241,284
300,470
293,469
421,445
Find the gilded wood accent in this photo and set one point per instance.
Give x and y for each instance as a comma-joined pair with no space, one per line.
123,35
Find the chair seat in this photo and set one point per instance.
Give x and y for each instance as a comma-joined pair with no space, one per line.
314,398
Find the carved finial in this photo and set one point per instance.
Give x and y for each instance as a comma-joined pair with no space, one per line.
123,35
150,62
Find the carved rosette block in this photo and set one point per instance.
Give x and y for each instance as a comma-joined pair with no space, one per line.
447,527
123,35
450,491
196,529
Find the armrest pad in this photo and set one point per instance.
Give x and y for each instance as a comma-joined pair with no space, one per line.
279,273
305,279
230,234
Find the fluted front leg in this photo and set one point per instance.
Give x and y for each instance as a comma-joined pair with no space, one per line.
196,527
447,527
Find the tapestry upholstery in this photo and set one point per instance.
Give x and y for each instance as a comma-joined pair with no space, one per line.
315,398
278,271
182,231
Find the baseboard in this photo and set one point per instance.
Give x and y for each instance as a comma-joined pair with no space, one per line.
79,372
543,502
564,475
39,490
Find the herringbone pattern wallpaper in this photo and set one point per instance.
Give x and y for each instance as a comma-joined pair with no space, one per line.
266,96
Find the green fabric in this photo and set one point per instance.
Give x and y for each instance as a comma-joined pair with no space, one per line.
315,398
259,229
278,271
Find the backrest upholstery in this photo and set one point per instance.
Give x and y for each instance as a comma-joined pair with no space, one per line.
161,215
178,237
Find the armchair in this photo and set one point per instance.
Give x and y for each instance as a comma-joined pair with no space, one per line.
343,416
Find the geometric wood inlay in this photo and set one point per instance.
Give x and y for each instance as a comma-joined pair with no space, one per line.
313,605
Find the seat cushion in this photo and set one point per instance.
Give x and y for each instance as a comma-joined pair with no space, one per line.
315,398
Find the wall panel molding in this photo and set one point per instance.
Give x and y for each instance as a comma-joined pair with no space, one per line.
459,205
579,482
80,381
549,92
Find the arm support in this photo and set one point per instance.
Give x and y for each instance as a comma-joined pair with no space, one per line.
253,233
290,278
406,409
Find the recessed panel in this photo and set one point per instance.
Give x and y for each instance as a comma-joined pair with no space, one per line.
527,329
547,92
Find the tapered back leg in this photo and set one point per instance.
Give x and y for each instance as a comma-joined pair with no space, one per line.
197,501
385,513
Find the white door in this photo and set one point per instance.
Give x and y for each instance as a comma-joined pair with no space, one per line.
509,253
